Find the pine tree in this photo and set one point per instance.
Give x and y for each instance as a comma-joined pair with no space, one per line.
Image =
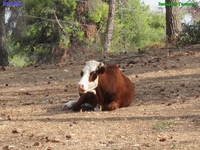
110,25
3,51
173,21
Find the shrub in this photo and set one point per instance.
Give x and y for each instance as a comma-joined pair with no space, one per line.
189,35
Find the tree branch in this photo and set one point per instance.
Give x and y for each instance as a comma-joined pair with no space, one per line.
59,22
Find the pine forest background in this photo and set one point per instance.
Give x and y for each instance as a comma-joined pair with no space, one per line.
56,31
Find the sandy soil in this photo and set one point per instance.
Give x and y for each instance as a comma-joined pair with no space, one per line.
165,113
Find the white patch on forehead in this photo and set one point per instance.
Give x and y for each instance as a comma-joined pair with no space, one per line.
89,67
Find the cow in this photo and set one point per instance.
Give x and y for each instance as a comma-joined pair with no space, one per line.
103,87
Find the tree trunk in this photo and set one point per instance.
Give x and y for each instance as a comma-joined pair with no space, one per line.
3,51
110,25
173,21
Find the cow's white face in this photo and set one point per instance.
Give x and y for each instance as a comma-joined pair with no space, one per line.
89,74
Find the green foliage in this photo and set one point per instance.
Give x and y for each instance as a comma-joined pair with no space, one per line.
136,26
98,11
13,49
44,30
19,61
17,57
190,35
157,24
41,49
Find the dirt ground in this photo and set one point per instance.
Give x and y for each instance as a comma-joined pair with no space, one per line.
165,113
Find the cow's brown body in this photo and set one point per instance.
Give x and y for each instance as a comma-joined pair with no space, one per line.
114,90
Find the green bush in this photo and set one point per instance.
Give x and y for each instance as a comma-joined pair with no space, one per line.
17,57
19,61
189,35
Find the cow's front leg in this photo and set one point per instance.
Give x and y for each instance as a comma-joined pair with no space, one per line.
87,101
70,104
79,102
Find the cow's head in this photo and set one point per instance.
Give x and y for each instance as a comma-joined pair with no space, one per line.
89,74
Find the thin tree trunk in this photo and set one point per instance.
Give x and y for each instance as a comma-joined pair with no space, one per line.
110,25
3,51
173,21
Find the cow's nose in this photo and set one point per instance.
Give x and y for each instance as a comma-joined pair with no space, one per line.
80,87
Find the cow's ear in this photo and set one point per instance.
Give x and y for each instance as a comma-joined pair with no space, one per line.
101,70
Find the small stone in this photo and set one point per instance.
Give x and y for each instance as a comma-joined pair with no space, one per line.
162,139
15,131
75,122
55,141
68,136
36,144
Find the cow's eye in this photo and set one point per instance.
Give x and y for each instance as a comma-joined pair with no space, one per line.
81,73
93,76
92,73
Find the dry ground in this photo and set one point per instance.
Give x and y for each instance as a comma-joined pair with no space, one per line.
165,113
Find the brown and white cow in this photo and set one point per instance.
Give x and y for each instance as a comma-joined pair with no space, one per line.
103,87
